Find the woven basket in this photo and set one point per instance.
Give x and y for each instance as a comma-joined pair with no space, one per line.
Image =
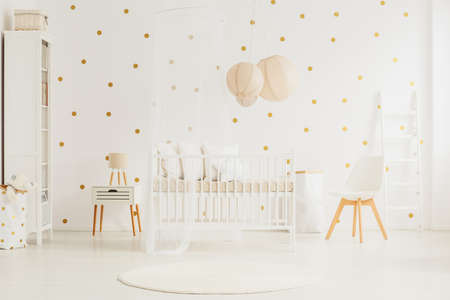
30,20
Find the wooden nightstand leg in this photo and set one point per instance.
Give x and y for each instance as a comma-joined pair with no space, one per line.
111,178
132,219
101,218
95,219
124,177
354,220
138,218
358,203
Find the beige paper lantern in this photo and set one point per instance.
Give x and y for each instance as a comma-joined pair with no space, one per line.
281,78
245,81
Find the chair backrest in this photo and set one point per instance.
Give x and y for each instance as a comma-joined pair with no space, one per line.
366,175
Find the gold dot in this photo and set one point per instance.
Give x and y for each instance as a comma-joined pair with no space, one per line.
20,240
266,148
72,7
395,59
288,161
60,79
252,22
243,48
82,187
171,61
379,106
61,144
282,39
136,179
314,101
360,77
13,217
421,142
262,207
310,68
306,129
411,83
3,208
99,32
204,213
402,127
3,224
273,2
196,90
173,87
110,84
405,14
333,39
125,11
382,3
83,61
269,115
344,100
338,221
376,34
135,66
336,14
108,114
4,192
235,120
64,221
23,208
13,233
2,240
107,157
146,35
217,68
344,128
191,36
137,131
365,143
10,248
302,16
411,215
347,165
74,113
386,169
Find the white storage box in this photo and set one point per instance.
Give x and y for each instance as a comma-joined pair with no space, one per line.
12,221
30,20
309,194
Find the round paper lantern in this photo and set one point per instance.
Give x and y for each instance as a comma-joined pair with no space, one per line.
245,81
280,78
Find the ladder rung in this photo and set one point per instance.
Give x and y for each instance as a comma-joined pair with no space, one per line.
404,160
404,184
400,114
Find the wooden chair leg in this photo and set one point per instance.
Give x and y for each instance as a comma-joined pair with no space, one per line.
118,176
124,177
377,217
138,218
95,219
101,218
358,203
111,178
335,219
354,220
132,219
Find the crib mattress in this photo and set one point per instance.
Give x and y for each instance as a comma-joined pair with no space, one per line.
161,185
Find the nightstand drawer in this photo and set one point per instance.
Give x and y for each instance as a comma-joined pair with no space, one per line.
112,194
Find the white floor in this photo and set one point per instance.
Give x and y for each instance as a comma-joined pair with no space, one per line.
409,266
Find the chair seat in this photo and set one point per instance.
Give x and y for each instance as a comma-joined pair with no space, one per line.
351,195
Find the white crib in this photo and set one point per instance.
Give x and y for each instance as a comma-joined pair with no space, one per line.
234,192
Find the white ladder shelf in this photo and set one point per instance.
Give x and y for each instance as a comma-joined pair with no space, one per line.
410,134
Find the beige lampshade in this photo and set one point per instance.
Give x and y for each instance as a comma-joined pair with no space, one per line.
118,160
245,81
281,78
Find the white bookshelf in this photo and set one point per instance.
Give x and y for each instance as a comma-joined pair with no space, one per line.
28,121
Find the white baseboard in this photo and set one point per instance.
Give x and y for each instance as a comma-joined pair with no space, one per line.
440,227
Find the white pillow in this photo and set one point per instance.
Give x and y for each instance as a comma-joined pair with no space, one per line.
224,169
192,167
169,167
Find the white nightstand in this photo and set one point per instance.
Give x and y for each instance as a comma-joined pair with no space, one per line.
102,195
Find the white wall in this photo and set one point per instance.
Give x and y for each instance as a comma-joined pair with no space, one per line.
441,107
90,135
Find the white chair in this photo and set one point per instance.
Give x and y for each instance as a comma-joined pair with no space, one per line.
364,181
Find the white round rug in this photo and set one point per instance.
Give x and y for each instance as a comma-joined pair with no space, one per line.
209,277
